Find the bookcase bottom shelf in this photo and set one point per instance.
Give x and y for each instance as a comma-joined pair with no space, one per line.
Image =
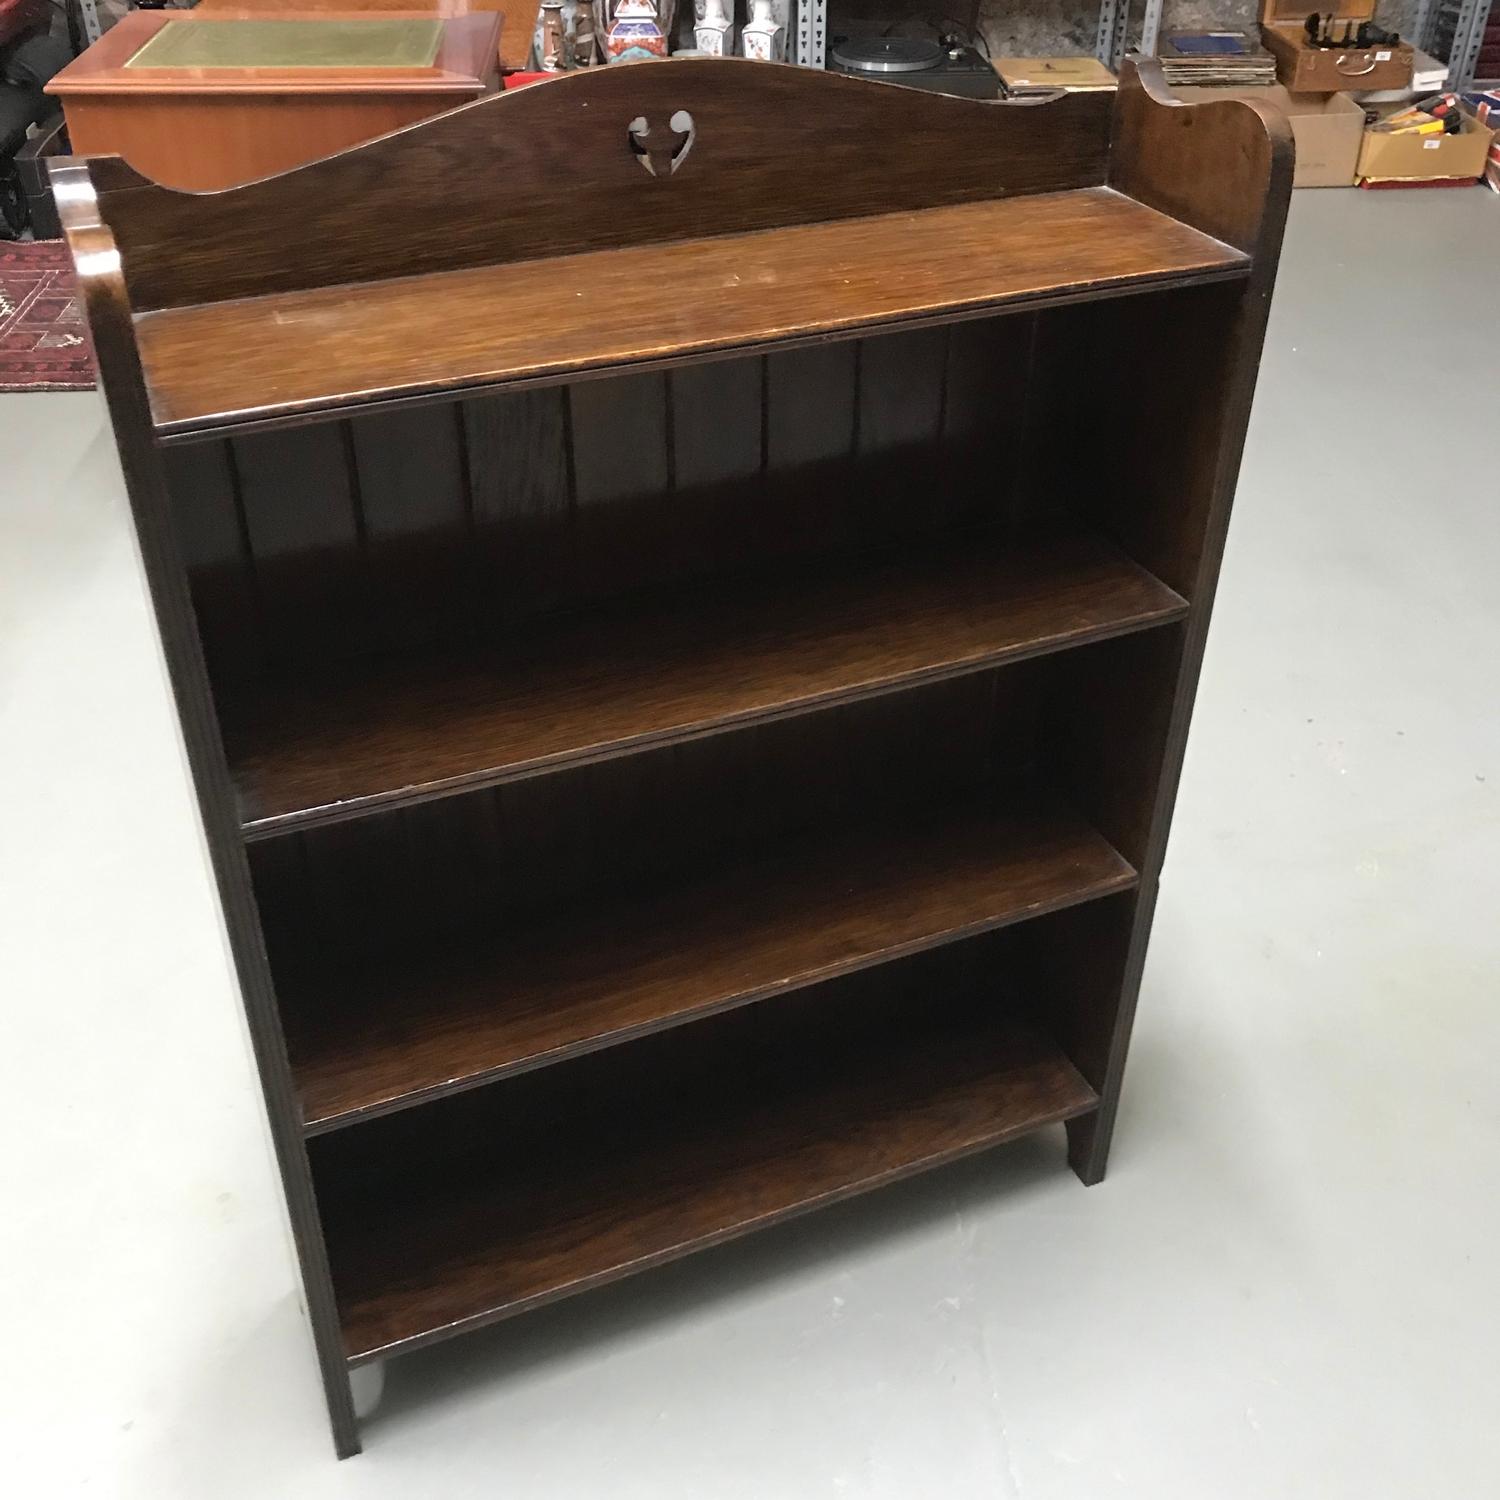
448,1218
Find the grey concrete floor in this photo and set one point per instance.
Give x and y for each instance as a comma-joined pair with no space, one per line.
1287,1286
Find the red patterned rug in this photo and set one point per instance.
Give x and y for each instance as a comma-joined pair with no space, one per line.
43,342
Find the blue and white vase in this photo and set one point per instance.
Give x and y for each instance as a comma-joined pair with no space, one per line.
635,33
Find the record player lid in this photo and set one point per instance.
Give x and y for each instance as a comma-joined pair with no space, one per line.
887,54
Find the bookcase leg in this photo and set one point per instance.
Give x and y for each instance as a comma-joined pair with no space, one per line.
1084,970
1104,1041
346,1440
1088,1147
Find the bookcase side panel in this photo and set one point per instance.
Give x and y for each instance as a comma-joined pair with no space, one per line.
102,290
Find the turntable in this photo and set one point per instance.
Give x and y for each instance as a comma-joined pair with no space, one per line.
946,67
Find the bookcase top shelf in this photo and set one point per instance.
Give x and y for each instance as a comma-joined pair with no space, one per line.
567,315
673,211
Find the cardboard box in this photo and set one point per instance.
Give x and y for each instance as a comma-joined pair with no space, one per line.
1328,129
1429,75
1306,69
1486,113
1425,158
1034,75
1485,107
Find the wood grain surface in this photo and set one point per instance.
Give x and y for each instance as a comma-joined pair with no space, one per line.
562,151
408,528
462,1013
544,319
1229,171
444,1219
343,744
1162,147
507,859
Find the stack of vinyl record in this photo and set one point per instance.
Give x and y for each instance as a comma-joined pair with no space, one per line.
1208,58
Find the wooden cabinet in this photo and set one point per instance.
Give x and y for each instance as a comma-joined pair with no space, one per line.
203,129
518,17
686,684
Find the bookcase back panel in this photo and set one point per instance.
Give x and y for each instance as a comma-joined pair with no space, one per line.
345,538
566,154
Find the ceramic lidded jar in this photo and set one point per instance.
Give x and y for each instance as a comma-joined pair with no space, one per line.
764,36
635,32
714,31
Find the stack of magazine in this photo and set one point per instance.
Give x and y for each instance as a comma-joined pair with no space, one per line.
1215,58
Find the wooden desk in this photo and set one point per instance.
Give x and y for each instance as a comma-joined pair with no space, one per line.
204,129
518,17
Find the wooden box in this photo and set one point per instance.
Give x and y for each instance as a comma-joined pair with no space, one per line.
1306,69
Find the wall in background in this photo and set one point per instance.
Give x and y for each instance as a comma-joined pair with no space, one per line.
1027,28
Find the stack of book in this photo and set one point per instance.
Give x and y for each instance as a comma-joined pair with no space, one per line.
1218,58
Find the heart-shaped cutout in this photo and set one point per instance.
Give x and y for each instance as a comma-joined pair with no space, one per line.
660,151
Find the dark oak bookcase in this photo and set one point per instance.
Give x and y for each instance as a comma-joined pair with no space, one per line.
685,647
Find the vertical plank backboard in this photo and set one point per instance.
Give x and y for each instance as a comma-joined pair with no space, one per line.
413,501
622,471
717,456
521,492
901,392
302,522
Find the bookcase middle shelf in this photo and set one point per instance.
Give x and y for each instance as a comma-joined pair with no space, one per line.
441,1016
342,742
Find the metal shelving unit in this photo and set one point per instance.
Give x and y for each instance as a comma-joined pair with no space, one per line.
1112,38
89,22
1444,28
1453,29
809,33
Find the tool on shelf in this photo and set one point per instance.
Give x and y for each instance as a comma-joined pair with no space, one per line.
1439,114
1319,28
